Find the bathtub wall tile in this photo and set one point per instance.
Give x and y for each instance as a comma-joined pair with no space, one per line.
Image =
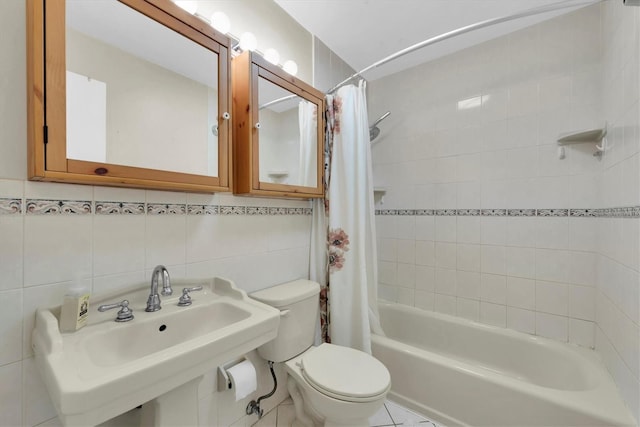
425,300
521,293
481,234
536,233
445,304
552,298
521,320
468,309
582,333
552,326
493,314
405,296
618,239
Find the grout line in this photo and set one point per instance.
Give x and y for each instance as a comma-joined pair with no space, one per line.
389,413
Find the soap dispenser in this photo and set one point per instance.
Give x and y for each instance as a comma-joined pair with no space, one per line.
75,307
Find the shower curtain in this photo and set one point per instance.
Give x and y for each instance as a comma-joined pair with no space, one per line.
349,298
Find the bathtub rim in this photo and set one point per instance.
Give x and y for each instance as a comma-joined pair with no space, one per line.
606,393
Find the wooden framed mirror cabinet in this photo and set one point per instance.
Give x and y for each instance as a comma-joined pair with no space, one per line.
131,93
278,130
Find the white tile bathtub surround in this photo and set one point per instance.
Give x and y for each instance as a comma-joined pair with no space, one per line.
521,293
493,314
493,288
521,320
552,298
623,333
582,333
505,156
445,304
618,281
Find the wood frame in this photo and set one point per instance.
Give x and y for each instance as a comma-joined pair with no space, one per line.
246,69
46,103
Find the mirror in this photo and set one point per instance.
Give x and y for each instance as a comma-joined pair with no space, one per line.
278,131
143,88
288,136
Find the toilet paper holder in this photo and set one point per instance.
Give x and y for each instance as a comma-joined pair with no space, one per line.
224,380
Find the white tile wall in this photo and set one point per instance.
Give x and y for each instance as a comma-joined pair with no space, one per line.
567,278
616,298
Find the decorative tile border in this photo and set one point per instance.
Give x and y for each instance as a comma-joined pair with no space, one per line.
620,212
120,208
493,212
202,209
521,212
10,206
17,206
552,212
468,212
56,207
168,209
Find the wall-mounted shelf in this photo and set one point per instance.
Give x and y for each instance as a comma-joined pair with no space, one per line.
579,137
379,193
593,136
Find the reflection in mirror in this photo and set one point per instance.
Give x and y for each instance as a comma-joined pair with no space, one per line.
138,93
288,136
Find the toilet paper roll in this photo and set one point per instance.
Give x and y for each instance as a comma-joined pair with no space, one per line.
244,380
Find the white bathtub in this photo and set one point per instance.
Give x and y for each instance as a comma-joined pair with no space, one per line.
463,373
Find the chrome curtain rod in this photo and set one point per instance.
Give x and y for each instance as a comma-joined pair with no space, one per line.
277,101
462,30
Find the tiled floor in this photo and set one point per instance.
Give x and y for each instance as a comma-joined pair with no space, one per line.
391,414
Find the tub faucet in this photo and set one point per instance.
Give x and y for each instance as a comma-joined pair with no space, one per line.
153,303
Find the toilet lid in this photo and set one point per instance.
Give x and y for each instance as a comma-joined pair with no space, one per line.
345,373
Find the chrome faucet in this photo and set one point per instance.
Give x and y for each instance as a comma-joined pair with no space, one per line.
153,303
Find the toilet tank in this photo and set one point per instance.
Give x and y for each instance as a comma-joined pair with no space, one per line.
298,304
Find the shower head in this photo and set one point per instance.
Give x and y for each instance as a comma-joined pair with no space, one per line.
374,131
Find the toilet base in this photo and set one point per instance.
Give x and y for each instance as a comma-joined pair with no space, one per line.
307,417
314,409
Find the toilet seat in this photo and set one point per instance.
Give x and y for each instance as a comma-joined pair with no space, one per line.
344,373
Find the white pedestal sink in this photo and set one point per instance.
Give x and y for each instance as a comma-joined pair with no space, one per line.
108,368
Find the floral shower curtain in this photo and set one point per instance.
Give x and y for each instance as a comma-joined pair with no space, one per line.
349,298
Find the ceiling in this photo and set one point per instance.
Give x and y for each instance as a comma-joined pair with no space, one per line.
363,32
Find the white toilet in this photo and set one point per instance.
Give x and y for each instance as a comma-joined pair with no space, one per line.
330,385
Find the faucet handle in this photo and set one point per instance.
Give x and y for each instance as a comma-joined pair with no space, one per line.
185,299
124,314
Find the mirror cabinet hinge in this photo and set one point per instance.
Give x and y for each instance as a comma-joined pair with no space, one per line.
45,130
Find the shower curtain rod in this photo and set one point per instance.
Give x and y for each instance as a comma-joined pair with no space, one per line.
459,31
277,101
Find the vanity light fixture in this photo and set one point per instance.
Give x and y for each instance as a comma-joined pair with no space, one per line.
220,21
290,67
248,41
190,6
272,56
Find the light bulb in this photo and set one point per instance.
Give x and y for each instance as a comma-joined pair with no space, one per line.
272,56
220,21
190,6
248,41
290,67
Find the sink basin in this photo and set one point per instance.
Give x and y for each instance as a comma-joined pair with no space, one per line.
107,368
